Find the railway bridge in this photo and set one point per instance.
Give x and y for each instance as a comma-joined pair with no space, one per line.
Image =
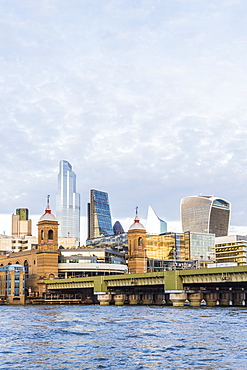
212,286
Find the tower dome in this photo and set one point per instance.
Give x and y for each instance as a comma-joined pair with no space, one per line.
48,216
137,225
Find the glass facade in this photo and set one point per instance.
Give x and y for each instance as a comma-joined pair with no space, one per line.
99,218
202,247
181,247
154,224
169,246
68,203
205,214
119,242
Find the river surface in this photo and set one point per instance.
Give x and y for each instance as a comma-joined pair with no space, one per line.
125,337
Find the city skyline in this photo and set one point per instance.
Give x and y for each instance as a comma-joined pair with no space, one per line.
145,99
172,226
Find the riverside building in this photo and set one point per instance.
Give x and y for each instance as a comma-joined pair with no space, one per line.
68,203
205,214
231,250
12,284
169,251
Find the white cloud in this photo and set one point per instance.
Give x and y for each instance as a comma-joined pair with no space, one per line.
147,102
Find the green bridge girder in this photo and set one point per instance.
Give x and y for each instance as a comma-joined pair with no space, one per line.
170,280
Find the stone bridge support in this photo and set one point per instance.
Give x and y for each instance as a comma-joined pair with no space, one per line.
211,298
195,298
178,298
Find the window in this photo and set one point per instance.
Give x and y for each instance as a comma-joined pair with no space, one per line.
26,267
50,235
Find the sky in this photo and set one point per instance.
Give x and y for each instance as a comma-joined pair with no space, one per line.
146,99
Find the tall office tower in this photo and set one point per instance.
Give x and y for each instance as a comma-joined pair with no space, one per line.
154,224
99,215
21,225
68,203
205,214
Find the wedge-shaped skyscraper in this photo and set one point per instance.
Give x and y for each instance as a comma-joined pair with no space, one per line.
68,202
205,214
154,224
99,215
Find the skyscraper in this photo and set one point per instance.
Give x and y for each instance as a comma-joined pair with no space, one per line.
99,215
68,202
205,214
21,225
154,224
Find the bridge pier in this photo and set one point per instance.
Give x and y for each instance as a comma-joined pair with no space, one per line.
159,299
238,298
211,299
195,299
134,299
224,299
119,299
168,300
147,298
104,299
178,299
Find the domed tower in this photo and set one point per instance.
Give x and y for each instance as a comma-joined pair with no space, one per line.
47,253
48,231
137,260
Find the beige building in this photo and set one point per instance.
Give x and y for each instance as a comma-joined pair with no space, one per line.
42,262
21,225
231,249
12,284
18,244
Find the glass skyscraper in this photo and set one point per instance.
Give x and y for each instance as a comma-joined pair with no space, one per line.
68,202
205,214
154,224
99,215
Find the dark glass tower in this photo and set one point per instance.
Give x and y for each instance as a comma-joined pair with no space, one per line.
99,215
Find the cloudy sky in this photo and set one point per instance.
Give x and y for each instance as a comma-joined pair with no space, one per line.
146,99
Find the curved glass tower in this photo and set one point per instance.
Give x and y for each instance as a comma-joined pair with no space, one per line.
205,214
68,202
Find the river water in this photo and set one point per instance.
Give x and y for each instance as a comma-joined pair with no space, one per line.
125,337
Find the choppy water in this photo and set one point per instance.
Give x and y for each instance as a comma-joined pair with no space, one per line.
98,337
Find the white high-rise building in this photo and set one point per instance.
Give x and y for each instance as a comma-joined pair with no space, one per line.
154,224
68,203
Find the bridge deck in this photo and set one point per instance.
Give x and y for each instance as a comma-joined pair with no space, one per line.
170,280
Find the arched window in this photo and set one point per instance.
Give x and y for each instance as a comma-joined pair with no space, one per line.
26,267
140,242
42,234
17,263
50,235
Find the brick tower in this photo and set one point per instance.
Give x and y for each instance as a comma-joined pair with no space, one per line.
137,259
